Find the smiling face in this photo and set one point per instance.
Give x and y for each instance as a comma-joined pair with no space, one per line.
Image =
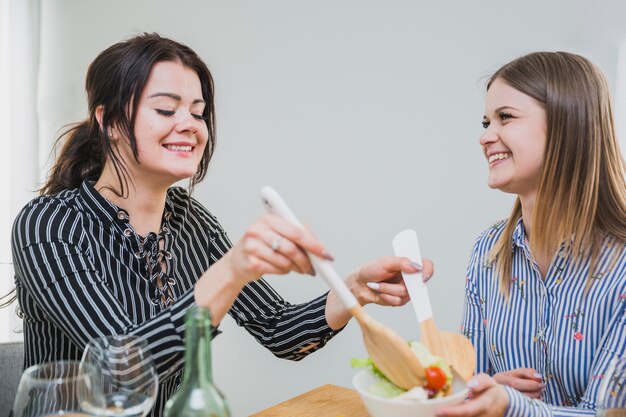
169,126
514,140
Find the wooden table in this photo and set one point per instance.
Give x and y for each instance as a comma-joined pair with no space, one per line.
325,401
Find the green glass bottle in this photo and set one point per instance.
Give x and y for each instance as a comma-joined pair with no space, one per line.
197,397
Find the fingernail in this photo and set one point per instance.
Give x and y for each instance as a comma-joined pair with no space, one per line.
542,386
538,375
416,265
312,272
327,255
373,285
472,383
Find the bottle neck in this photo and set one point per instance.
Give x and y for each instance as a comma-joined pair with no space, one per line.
198,370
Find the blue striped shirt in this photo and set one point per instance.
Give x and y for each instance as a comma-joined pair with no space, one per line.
549,324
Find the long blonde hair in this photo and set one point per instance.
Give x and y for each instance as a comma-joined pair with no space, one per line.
581,199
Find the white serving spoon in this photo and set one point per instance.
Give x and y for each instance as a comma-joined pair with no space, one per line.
454,347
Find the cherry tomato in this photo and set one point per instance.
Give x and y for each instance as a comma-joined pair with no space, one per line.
435,378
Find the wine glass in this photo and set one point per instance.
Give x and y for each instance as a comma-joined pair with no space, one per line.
612,392
122,379
50,389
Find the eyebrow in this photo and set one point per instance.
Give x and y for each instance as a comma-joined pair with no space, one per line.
499,109
175,97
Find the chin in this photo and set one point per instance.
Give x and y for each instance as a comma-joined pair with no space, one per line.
494,185
501,186
183,174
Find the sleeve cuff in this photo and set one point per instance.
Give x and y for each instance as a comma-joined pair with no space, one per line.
521,405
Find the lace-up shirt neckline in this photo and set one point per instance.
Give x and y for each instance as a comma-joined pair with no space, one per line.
152,251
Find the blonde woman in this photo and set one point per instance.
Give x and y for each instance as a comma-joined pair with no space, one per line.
546,288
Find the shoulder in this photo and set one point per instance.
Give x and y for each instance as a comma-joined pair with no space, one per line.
49,217
186,207
488,237
45,207
478,268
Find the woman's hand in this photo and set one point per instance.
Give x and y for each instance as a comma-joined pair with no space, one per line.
487,399
272,245
379,281
526,380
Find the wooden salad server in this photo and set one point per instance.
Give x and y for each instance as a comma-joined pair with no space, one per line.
390,352
455,348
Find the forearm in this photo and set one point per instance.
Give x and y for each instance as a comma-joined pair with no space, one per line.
217,289
337,315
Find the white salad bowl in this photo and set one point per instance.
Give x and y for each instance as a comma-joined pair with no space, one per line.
390,407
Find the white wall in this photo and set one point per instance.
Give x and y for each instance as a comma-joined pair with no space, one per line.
19,55
365,115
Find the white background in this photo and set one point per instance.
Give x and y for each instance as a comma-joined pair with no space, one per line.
364,115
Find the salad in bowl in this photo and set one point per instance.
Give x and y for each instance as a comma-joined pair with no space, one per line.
438,377
383,398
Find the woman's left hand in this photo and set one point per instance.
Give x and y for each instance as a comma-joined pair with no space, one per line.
380,281
386,287
487,399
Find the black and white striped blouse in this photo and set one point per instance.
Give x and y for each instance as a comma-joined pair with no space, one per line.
82,272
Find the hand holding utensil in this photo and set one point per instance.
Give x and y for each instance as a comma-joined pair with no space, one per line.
389,351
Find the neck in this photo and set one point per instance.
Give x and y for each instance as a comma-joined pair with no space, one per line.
528,205
542,259
144,202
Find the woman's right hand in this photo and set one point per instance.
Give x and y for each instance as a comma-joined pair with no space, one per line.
272,245
526,380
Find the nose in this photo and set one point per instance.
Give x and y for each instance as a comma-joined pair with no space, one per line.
489,136
188,123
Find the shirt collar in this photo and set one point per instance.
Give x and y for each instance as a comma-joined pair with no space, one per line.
108,212
519,235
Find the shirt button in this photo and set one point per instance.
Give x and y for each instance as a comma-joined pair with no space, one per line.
128,232
167,215
121,215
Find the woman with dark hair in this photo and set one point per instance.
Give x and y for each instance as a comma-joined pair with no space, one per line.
546,288
110,247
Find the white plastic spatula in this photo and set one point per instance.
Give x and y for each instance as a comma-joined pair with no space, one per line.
388,350
454,347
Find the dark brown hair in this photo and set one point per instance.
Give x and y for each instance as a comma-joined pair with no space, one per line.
581,200
115,80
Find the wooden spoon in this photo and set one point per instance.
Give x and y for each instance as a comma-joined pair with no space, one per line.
455,348
390,352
